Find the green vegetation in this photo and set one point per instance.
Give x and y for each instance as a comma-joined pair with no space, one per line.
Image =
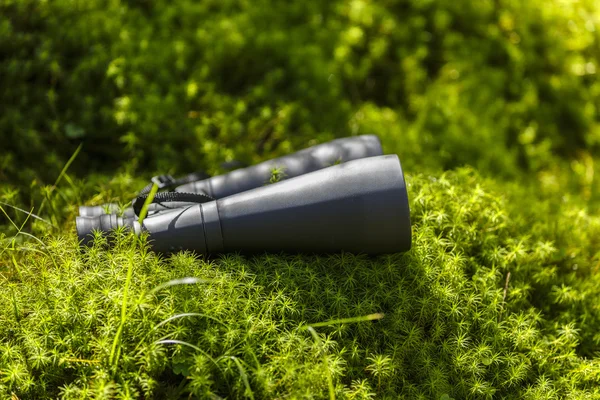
492,107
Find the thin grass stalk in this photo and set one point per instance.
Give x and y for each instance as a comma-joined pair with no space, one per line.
115,351
60,176
244,376
325,362
144,211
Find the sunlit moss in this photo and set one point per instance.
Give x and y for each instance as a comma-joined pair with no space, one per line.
497,298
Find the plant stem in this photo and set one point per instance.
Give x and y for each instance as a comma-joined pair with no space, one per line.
147,203
115,350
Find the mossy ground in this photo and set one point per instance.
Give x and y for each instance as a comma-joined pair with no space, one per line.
494,300
492,107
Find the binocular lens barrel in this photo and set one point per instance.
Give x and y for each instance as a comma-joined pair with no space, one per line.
305,161
359,206
86,226
299,163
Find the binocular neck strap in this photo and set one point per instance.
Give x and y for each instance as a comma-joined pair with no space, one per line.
168,182
168,197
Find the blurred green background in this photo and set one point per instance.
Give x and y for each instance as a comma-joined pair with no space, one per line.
508,87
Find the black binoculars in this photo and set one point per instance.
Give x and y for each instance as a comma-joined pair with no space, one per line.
343,195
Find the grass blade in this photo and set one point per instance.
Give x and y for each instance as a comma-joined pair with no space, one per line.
67,165
244,376
327,371
180,281
147,203
183,315
370,317
28,213
60,176
115,350
198,349
173,318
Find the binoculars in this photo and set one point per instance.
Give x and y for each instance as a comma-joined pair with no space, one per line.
343,195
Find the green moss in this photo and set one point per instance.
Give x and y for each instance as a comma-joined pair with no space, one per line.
454,324
492,107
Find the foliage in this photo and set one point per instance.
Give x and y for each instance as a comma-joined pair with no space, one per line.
176,86
498,297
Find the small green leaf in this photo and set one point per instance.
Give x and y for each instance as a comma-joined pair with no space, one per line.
73,131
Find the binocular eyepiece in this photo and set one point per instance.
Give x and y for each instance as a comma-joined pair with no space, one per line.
103,223
358,206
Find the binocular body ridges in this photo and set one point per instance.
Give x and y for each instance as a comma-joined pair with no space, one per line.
296,164
359,206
